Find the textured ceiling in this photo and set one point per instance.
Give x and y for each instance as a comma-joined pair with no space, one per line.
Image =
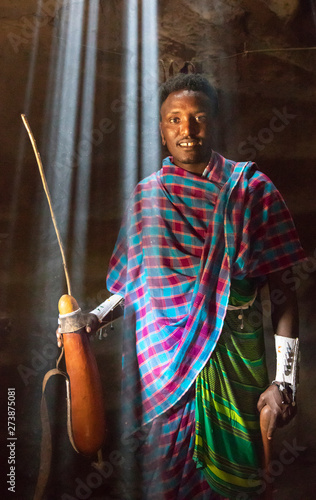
211,33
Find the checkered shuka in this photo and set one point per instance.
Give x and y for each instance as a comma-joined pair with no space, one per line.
183,239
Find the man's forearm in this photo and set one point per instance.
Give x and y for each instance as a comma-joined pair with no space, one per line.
280,396
285,320
109,310
284,315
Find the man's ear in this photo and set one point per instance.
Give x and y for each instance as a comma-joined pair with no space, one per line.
163,140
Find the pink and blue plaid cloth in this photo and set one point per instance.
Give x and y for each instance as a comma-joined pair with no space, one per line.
183,239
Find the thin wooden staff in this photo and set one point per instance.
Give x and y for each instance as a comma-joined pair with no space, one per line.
265,416
42,174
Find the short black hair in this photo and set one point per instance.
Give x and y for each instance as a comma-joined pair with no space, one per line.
194,82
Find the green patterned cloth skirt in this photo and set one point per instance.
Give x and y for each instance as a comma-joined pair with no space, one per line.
228,445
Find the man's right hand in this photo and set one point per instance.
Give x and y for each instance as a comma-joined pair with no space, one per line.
92,326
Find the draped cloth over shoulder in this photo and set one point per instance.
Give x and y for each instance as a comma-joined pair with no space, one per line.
183,239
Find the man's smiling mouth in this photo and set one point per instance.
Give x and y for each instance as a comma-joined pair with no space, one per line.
188,143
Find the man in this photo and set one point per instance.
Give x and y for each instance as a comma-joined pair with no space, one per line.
200,238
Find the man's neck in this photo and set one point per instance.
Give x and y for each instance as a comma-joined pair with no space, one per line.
194,168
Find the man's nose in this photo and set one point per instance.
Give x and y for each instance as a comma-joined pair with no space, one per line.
188,127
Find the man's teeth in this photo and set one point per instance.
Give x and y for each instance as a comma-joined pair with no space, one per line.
187,144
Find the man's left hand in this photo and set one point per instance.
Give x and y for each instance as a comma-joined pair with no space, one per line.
282,410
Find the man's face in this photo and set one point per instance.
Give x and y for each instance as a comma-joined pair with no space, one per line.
186,129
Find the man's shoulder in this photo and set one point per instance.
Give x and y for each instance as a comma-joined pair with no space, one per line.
144,187
256,177
224,169
260,179
147,183
256,180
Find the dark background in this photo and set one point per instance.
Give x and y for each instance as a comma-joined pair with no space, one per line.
260,55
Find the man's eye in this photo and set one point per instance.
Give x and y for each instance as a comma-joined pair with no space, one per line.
175,119
201,118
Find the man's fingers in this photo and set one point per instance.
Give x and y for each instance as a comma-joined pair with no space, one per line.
288,412
91,326
281,409
261,402
59,337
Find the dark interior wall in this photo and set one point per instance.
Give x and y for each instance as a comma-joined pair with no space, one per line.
268,105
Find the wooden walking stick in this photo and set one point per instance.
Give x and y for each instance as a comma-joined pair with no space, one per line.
265,416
